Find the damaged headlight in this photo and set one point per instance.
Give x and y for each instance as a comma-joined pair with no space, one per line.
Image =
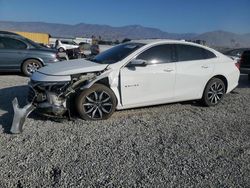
86,77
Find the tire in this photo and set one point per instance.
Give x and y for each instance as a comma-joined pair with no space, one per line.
30,66
61,50
249,77
214,92
96,103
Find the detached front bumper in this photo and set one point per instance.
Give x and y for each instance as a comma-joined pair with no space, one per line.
20,114
46,102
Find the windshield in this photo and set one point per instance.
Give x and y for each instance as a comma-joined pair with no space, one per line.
116,53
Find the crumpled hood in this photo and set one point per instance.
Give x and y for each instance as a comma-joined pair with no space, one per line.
70,67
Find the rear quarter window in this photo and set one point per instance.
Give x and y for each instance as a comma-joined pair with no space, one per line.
190,53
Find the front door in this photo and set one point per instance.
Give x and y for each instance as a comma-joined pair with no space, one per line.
150,84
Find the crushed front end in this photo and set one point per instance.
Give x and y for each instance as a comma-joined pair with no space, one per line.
51,98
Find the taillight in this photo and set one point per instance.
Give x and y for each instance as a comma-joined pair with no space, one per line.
238,63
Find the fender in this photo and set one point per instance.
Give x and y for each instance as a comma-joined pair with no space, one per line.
101,76
113,85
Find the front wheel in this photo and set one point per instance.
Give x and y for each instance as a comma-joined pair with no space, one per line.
214,92
96,103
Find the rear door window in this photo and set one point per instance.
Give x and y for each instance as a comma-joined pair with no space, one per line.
158,54
189,53
10,43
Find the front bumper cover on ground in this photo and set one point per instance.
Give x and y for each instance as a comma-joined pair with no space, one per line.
20,114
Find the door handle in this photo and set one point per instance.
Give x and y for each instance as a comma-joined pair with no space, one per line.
168,70
204,66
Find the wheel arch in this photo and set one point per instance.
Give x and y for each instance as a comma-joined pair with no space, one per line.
221,77
30,58
224,79
103,81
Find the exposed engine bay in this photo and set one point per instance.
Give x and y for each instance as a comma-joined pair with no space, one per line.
50,98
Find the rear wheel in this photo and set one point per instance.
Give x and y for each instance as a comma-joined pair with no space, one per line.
30,66
96,103
214,92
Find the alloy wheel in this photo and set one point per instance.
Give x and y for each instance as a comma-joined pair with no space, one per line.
215,92
32,67
97,104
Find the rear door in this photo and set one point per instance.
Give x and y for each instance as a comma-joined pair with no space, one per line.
12,53
194,67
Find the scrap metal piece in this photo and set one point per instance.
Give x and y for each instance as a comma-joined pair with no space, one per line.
20,115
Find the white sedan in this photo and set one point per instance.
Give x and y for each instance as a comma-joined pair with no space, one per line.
134,74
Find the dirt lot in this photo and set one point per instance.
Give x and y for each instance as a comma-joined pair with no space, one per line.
177,145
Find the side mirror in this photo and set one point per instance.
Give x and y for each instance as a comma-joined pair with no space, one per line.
138,63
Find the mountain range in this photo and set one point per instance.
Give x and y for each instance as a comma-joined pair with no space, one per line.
214,38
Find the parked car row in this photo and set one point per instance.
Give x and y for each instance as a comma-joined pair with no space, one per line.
74,50
19,54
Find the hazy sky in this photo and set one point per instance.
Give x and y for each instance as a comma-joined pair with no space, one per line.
179,16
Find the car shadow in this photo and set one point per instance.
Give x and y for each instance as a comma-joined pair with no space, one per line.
244,82
6,110
12,73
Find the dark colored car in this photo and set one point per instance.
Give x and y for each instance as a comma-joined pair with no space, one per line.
95,50
19,54
236,52
75,53
245,63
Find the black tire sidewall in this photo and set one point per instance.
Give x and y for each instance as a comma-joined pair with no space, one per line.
25,64
205,99
81,97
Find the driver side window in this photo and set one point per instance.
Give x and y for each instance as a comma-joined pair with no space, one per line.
157,54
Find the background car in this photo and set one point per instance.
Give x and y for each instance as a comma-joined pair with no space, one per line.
63,45
245,63
235,53
19,54
95,50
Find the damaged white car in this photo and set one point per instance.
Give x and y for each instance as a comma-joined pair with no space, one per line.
133,74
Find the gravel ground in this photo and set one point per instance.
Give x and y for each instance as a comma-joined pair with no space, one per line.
175,145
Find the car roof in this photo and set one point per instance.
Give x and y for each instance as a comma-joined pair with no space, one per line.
9,33
158,41
149,41
170,41
12,36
